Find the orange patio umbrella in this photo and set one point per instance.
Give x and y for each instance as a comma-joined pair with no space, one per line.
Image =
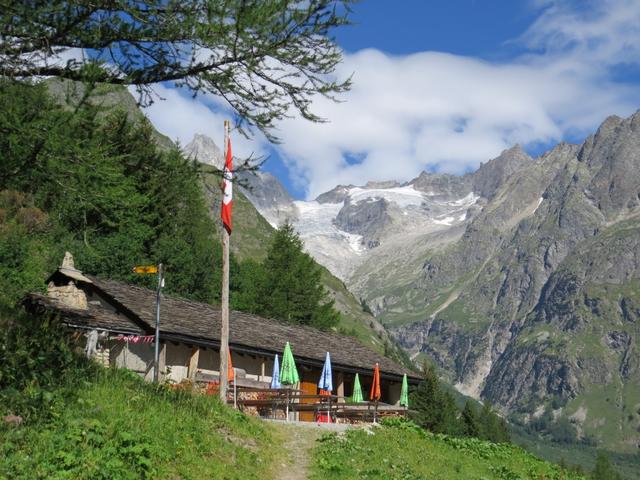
375,394
213,387
230,373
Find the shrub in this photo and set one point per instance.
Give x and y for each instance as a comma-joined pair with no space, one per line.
38,367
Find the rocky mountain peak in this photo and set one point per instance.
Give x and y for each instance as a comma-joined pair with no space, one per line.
608,126
337,195
383,184
612,157
442,185
493,174
203,149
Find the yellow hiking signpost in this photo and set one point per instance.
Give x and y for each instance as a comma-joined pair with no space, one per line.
157,269
145,269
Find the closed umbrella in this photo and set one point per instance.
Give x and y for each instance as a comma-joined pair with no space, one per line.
374,393
326,380
275,376
288,371
326,386
357,391
230,370
404,393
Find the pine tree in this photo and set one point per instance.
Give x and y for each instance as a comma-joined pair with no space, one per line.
288,285
245,285
492,426
434,408
470,420
103,192
603,469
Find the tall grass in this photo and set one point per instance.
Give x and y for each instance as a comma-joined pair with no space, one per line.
400,450
102,423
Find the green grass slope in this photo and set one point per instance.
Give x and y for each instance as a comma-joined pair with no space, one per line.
120,427
401,450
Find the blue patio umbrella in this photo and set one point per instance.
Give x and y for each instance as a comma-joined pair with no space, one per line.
275,376
326,386
326,380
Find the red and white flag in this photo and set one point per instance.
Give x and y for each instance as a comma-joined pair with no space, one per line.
227,189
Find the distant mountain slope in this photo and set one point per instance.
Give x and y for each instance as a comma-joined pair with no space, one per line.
108,97
520,280
263,190
539,297
252,235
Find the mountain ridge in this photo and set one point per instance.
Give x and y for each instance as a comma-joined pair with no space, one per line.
474,272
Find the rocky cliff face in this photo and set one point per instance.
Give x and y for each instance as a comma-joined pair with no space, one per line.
268,195
538,298
204,150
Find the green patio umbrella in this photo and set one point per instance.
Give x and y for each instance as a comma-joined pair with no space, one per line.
288,371
404,393
357,390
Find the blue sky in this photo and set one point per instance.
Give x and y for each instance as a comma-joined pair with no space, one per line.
464,27
442,85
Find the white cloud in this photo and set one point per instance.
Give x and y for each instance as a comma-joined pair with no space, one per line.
591,32
180,116
432,110
446,112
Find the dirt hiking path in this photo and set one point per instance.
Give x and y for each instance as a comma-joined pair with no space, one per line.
298,440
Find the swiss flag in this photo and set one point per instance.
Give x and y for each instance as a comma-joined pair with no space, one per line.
227,189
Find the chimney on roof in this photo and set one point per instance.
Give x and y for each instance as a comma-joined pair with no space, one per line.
69,295
67,261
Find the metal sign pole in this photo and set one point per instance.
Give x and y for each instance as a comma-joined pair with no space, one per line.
156,359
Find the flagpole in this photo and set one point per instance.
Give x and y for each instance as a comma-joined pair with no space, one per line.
224,334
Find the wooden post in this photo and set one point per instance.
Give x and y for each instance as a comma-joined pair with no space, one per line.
235,389
193,363
375,412
340,389
162,362
263,369
224,335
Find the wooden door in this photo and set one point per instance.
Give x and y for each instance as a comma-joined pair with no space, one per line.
309,386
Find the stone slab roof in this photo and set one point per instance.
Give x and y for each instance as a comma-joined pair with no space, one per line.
196,322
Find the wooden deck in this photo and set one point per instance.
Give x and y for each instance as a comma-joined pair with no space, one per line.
270,402
256,398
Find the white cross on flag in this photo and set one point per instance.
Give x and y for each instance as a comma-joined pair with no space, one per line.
227,189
